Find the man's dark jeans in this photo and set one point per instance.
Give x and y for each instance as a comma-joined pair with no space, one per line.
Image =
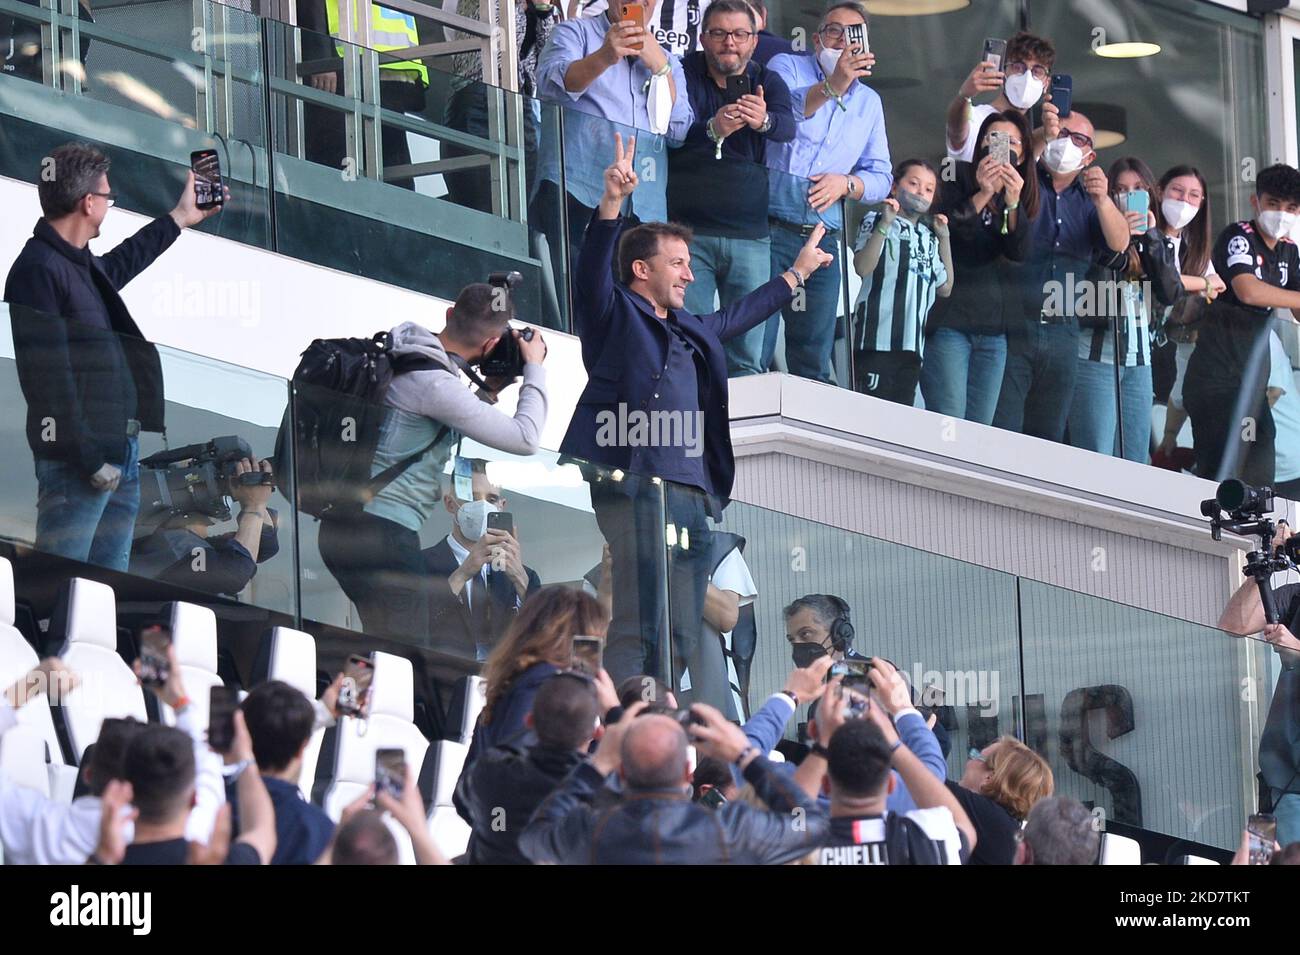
1038,382
632,515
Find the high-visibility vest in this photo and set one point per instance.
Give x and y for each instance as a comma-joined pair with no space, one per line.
389,30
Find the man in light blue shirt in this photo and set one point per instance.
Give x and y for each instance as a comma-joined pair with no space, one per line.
839,151
611,77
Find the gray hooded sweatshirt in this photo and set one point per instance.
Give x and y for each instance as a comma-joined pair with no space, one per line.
419,403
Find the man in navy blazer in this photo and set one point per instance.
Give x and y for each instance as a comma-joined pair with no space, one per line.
655,406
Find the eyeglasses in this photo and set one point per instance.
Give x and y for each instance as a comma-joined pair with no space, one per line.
1018,68
1079,139
740,36
831,31
110,198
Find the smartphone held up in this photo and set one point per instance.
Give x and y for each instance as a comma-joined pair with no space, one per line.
209,189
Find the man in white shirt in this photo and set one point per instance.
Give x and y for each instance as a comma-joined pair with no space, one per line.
37,830
730,590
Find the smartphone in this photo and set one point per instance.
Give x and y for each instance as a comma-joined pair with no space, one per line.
1062,92
356,684
855,698
390,772
995,51
737,86
462,479
713,798
209,191
588,655
1261,829
1139,200
501,521
634,12
221,718
1000,146
855,37
154,642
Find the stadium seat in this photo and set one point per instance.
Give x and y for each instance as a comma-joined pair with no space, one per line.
1120,850
17,658
474,696
389,724
449,831
290,656
22,759
108,687
194,634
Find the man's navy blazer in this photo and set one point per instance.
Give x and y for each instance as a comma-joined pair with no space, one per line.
625,351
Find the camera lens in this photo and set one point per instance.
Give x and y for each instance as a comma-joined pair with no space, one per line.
1231,494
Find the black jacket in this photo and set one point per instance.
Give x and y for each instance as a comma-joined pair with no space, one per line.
452,621
85,372
666,828
981,257
502,790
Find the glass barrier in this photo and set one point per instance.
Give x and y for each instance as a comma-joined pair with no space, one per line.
146,460
507,181
158,83
350,123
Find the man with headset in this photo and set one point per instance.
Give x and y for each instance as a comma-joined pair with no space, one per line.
819,625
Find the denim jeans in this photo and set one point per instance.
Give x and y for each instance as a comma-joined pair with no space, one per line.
76,521
810,331
1092,412
730,269
962,374
1287,813
1038,384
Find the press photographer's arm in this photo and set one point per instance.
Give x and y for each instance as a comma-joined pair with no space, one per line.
1244,613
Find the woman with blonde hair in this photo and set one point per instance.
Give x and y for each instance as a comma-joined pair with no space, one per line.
999,787
538,644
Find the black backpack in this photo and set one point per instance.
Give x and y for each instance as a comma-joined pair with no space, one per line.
336,410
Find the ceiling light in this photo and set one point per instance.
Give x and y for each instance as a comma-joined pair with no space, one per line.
1127,51
912,8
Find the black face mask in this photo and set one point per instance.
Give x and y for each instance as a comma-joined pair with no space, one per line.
806,654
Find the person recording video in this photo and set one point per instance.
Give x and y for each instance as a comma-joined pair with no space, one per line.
182,551
374,552
1279,762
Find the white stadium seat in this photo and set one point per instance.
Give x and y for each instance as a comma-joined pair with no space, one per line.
1120,850
292,659
108,687
475,699
194,635
17,658
22,759
389,724
449,831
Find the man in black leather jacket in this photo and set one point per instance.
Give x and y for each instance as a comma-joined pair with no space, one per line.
656,823
506,784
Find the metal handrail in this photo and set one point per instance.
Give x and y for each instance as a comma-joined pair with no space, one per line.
214,109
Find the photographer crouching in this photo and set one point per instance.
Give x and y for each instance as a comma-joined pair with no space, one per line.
184,494
1279,754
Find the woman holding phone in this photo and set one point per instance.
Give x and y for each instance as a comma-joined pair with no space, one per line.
989,205
1183,217
1127,287
538,644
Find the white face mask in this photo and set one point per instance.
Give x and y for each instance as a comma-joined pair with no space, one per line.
1022,90
472,519
1062,157
1178,213
827,59
1276,223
